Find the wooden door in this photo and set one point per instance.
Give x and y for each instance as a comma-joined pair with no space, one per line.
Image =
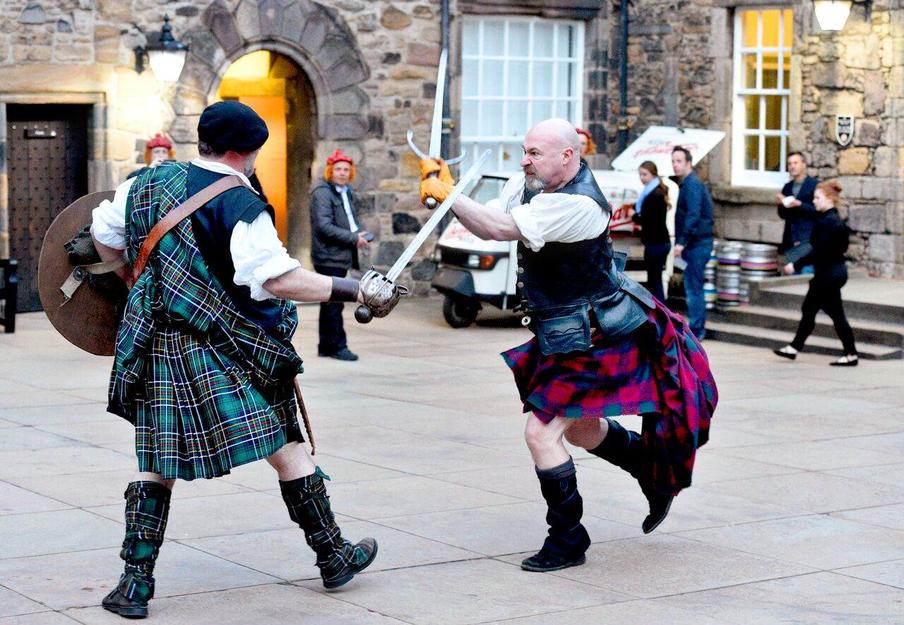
47,162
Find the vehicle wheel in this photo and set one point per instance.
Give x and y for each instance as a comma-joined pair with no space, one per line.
459,312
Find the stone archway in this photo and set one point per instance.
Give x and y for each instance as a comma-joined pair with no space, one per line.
312,35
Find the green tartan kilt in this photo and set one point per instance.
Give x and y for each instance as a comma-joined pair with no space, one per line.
199,414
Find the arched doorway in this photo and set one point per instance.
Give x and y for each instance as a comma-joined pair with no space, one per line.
279,91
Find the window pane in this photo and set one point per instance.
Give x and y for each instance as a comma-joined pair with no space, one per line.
511,155
773,154
490,118
493,38
543,34
770,28
517,78
516,123
788,19
773,112
491,78
519,39
752,106
564,80
469,78
570,108
749,26
541,110
542,78
470,38
566,42
469,118
751,152
770,71
748,62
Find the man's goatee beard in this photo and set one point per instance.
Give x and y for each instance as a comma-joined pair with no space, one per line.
534,183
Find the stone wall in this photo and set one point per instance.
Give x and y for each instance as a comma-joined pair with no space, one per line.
860,71
680,73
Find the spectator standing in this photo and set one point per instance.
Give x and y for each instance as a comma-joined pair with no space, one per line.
693,235
795,206
650,210
336,239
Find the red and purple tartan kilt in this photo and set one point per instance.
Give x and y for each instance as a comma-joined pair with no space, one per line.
659,369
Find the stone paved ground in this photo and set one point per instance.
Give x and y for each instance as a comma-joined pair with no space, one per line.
796,515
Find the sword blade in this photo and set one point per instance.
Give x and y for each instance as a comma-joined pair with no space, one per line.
435,218
436,130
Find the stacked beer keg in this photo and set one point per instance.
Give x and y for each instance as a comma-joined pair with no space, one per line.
710,294
758,261
728,276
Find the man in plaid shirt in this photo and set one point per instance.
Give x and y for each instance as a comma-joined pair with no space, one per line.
204,365
604,347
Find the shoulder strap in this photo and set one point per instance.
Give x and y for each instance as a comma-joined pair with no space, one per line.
176,215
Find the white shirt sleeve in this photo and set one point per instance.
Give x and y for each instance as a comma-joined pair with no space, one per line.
559,217
258,255
108,220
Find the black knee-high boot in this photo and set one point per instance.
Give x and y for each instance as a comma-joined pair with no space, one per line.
568,539
624,449
309,506
147,509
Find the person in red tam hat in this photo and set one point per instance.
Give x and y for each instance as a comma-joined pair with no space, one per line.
336,237
157,150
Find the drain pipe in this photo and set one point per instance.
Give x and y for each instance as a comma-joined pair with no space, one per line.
444,45
623,78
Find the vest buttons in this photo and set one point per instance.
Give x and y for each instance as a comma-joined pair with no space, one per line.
520,269
520,285
520,256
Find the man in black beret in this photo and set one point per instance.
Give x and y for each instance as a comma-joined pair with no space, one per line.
205,366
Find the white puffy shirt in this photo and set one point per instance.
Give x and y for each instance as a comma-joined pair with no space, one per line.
553,217
257,253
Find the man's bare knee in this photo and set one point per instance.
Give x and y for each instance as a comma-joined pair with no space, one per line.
586,434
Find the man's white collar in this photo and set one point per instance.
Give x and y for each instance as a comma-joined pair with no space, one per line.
222,168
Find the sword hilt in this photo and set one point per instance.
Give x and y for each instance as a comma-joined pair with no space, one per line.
431,202
363,314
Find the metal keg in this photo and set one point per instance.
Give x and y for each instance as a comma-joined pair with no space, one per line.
759,259
728,285
730,253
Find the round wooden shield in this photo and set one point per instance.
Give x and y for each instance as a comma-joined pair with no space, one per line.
88,320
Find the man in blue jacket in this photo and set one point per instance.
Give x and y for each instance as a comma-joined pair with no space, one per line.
795,206
693,235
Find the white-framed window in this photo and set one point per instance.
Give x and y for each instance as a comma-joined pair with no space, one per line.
516,71
762,75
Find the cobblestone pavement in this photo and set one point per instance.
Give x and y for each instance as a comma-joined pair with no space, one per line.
796,514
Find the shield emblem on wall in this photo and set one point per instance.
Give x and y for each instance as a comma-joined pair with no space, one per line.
844,129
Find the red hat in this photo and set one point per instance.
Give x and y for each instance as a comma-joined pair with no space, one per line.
159,141
339,157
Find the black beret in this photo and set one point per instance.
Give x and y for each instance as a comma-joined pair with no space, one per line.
231,125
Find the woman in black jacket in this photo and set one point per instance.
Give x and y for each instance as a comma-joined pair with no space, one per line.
650,210
828,244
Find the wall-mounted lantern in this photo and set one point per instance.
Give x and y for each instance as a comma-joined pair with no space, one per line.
833,14
166,55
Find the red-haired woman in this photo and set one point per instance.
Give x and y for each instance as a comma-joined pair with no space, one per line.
828,244
588,147
650,210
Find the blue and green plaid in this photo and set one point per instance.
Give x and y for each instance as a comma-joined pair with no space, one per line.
206,389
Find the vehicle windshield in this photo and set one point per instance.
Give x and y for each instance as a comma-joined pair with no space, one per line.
487,188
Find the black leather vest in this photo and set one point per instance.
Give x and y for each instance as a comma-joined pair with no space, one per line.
564,282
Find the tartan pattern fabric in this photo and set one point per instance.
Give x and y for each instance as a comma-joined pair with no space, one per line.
660,371
147,510
309,506
206,389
